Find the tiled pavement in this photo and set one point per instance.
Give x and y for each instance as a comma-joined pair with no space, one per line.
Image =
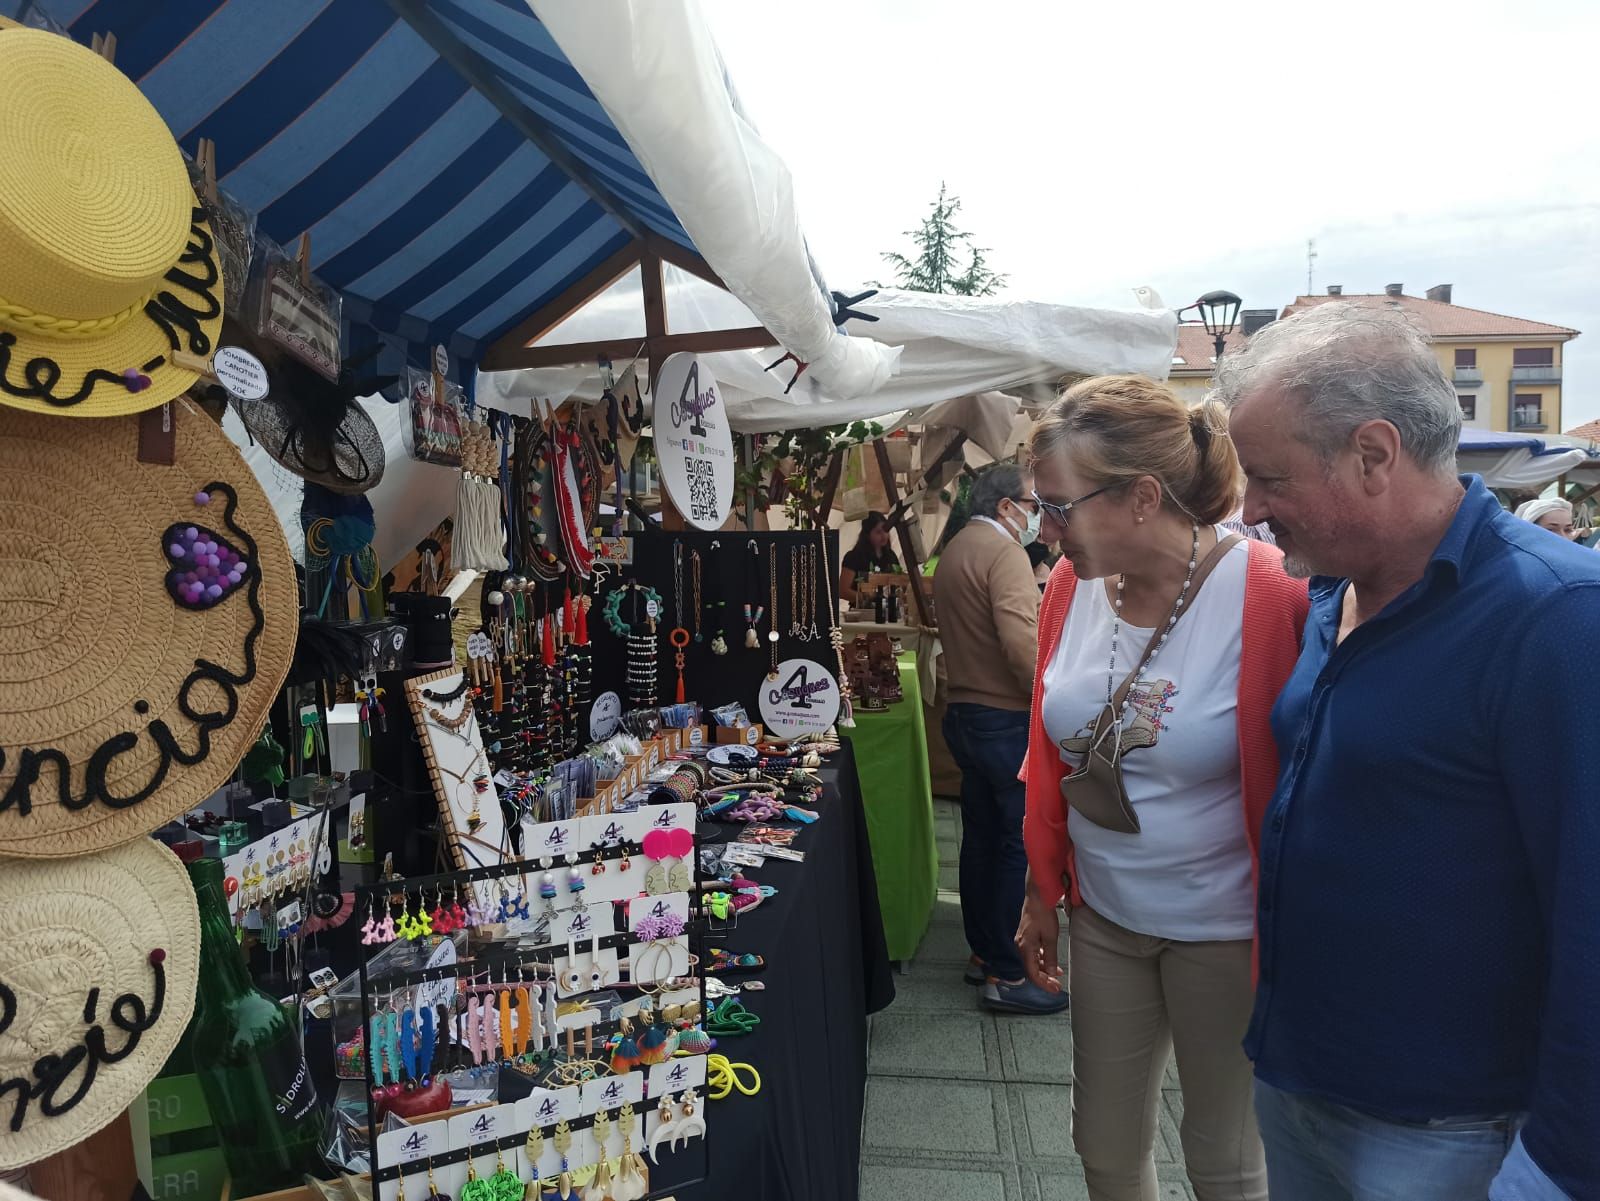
964,1105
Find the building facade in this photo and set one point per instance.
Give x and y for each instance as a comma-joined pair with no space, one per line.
1506,370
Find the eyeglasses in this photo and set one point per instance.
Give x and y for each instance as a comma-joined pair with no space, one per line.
1060,513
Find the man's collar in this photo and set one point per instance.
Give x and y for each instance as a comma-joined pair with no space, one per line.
1478,507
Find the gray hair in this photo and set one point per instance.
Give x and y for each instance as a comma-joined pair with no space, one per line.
995,483
1350,365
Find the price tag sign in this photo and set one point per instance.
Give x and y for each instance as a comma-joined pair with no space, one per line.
804,699
441,360
694,441
438,992
480,645
606,716
241,374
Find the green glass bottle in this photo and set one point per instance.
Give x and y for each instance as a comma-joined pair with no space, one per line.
248,1055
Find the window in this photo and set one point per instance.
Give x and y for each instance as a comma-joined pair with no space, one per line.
1469,407
1528,409
1533,356
1179,361
1467,357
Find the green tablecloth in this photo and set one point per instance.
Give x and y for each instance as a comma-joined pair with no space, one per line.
891,747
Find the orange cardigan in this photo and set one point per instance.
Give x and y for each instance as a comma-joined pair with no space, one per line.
1274,619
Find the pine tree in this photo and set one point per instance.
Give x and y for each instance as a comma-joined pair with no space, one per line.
940,245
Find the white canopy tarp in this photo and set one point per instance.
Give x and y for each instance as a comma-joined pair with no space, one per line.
953,346
655,69
1514,460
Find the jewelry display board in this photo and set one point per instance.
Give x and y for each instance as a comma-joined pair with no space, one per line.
739,575
613,1074
470,815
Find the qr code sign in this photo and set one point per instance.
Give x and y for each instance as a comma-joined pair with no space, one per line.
702,490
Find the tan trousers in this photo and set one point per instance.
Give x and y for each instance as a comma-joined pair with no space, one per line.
1134,999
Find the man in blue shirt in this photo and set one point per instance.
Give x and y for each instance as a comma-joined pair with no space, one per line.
1427,1018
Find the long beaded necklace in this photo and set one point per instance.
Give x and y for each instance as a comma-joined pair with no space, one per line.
772,611
811,634
1166,632
694,572
794,591
679,635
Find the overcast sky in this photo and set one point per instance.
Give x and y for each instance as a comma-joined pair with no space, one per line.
1192,145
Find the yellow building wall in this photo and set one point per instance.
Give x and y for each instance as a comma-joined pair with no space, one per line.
1494,364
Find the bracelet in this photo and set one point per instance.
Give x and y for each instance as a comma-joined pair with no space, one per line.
722,1077
729,1017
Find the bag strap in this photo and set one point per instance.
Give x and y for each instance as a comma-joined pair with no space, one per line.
1223,546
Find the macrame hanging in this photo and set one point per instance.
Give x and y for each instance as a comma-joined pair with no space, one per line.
478,542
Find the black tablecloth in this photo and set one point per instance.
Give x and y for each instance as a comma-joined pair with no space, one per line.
827,969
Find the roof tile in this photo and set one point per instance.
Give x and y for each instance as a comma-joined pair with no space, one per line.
1442,320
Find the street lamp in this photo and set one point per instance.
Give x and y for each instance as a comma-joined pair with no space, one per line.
1219,313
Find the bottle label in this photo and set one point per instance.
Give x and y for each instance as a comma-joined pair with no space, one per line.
289,1084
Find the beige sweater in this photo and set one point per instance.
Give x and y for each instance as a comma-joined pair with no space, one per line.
988,606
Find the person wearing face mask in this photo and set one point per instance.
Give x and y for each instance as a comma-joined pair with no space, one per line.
988,608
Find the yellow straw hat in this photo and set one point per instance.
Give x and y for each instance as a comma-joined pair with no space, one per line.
148,614
107,265
99,956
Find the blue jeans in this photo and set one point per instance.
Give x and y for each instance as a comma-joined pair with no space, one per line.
1320,1151
989,746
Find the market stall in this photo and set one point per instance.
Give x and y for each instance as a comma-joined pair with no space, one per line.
339,902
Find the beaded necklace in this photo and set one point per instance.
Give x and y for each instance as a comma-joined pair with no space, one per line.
1166,632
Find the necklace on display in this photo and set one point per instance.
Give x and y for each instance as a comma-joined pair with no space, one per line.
811,593
753,609
772,610
694,572
796,566
453,724
1166,631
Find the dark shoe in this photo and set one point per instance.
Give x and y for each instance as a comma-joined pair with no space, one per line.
974,975
1024,996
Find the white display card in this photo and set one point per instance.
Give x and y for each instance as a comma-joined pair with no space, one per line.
407,1146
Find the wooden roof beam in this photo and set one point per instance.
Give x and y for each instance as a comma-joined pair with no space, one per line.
553,312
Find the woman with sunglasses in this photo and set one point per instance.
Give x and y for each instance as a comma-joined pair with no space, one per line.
1163,642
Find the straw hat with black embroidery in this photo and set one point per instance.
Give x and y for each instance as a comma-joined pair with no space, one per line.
147,619
107,266
98,961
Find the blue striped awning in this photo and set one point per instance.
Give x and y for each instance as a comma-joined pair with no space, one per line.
405,147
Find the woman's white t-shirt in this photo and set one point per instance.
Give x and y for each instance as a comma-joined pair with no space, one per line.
1187,874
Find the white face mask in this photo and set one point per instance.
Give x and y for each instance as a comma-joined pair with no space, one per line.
1029,533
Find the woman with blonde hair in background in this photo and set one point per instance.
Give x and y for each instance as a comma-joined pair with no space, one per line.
1163,642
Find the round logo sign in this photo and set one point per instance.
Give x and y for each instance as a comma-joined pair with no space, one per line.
241,374
606,716
441,360
803,699
479,645
694,442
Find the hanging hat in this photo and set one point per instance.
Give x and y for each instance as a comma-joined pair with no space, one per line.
630,416
109,265
99,956
147,619
316,429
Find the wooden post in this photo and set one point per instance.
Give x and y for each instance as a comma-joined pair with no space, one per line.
749,493
830,485
907,547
